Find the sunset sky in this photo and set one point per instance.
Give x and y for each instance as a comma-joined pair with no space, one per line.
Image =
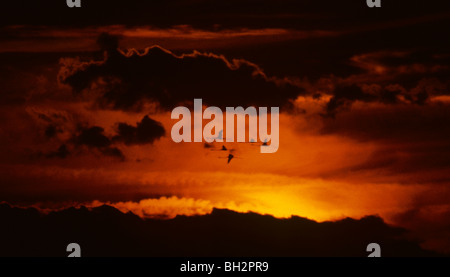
364,96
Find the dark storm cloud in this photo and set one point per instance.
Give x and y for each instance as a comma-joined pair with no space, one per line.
427,220
113,152
210,14
241,235
412,139
94,138
344,95
145,132
393,123
126,80
108,42
62,152
423,164
362,32
51,131
389,77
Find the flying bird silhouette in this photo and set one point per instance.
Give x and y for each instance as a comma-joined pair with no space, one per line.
230,157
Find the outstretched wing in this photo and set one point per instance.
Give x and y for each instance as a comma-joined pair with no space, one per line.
230,157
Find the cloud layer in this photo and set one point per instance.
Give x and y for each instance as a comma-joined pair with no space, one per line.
125,80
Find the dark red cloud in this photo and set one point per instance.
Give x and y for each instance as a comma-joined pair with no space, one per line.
216,13
125,81
145,132
62,152
221,233
413,139
92,137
